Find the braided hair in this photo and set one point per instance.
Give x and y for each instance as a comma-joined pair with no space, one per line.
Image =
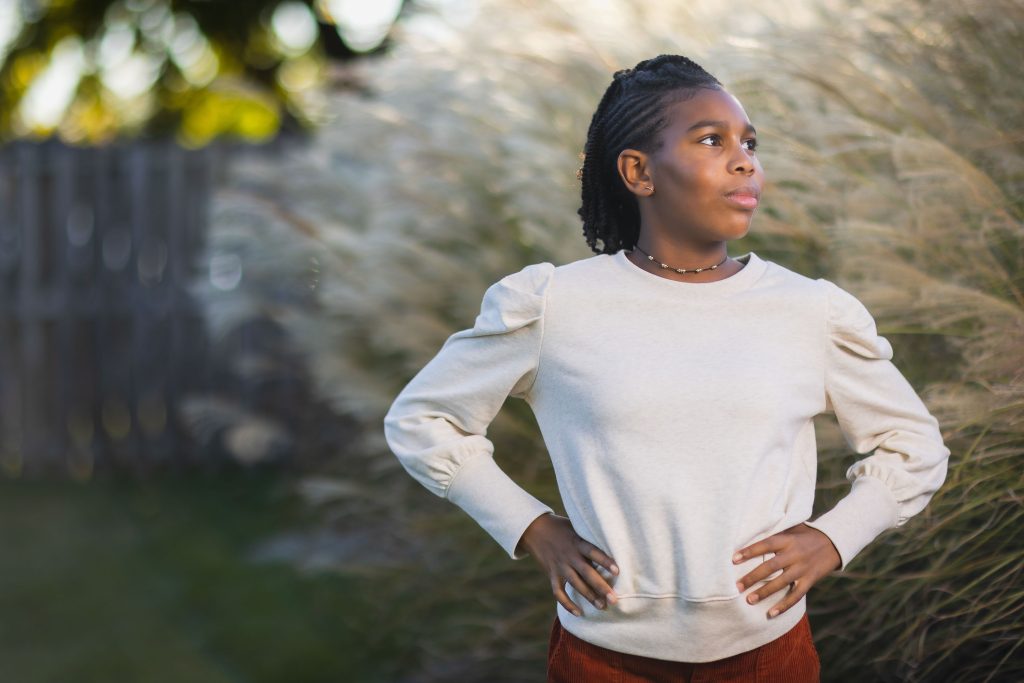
631,114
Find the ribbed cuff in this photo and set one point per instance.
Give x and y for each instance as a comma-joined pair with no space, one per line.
856,520
498,504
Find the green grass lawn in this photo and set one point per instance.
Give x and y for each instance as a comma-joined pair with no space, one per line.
148,581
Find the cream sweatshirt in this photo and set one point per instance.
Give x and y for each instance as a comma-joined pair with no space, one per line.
678,419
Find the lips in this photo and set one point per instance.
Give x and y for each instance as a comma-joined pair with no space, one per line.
744,197
745,201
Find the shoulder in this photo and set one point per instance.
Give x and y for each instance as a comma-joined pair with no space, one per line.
516,300
782,286
522,296
533,277
851,325
538,277
844,308
847,322
779,275
838,304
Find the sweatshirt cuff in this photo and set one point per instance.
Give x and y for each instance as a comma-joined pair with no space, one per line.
498,504
856,520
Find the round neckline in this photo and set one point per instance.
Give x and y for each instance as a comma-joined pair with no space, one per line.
753,267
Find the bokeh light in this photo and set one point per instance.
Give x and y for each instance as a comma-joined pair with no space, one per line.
155,67
294,27
362,25
10,25
50,93
191,52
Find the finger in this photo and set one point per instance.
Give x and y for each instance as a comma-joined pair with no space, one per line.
582,588
761,571
592,552
772,544
596,581
773,586
798,590
563,598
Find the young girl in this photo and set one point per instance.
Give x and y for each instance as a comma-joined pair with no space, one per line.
675,388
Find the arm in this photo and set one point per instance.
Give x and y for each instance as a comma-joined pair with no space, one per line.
437,425
879,413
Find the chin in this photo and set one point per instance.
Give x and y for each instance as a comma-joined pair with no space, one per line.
739,232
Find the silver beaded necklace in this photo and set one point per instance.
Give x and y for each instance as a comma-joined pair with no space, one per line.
680,270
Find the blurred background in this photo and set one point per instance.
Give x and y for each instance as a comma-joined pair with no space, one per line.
231,232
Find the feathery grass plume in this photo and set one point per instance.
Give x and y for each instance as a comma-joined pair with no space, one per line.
914,133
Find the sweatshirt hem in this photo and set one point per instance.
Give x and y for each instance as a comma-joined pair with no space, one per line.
680,630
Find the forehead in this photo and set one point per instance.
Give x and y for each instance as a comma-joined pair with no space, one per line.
707,105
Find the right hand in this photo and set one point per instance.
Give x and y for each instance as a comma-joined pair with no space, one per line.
565,556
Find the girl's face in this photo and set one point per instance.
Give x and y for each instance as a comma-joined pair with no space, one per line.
707,152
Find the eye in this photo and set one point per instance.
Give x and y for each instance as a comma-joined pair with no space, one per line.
751,141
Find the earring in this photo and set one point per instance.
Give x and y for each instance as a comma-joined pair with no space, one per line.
648,187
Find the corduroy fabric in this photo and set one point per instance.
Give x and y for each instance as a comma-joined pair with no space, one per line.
791,658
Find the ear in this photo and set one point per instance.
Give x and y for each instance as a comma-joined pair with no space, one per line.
632,165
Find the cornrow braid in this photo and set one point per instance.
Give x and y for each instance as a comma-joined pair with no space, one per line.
631,115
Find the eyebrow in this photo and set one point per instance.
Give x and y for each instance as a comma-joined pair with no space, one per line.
707,123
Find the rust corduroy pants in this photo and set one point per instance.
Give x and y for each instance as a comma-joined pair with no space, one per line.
790,658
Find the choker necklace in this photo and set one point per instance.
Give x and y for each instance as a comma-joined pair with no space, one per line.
680,270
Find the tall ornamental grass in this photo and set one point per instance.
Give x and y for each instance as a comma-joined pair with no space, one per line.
913,131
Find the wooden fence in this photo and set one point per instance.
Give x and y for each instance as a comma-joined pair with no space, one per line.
98,334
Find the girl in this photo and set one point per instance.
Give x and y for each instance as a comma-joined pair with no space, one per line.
675,388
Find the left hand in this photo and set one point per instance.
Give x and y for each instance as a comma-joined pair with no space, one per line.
804,555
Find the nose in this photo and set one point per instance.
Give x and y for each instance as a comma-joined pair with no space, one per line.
742,162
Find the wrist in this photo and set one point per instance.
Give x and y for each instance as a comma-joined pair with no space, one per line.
831,550
525,542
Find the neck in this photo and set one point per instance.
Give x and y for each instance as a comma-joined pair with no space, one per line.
687,257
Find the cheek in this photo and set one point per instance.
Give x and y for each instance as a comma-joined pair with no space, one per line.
693,185
704,187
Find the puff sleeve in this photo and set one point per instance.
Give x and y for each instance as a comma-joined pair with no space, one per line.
879,411
437,425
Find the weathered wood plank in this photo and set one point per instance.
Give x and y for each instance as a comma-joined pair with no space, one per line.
99,336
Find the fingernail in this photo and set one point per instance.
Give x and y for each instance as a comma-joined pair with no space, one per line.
773,613
615,569
611,598
739,586
577,613
599,603
737,557
753,598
